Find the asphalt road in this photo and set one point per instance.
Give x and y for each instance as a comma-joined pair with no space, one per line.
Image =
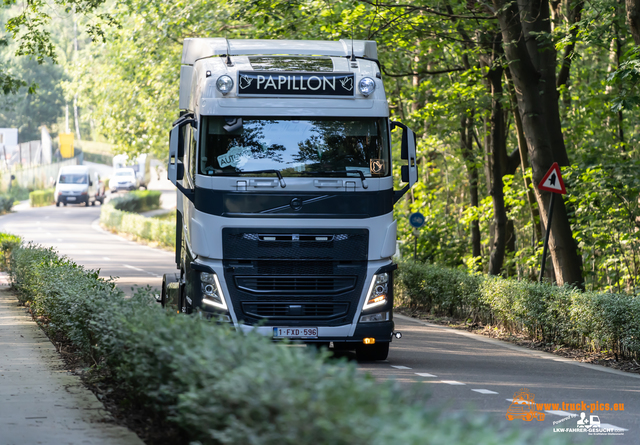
468,371
460,370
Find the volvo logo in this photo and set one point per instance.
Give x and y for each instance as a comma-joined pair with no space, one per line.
296,204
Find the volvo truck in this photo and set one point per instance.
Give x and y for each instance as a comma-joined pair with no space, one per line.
281,155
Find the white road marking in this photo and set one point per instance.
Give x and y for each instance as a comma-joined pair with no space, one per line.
484,391
452,382
106,258
424,374
134,268
400,367
533,352
60,239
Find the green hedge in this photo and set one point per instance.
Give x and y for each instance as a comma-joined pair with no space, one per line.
544,312
6,203
98,158
225,387
40,198
149,229
138,201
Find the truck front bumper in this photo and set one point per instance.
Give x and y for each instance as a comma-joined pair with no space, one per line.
381,331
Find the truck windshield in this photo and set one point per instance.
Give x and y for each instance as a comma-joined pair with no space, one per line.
72,178
295,146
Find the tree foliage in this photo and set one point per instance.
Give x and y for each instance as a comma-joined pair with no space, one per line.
452,71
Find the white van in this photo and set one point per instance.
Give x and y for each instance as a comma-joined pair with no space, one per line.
78,184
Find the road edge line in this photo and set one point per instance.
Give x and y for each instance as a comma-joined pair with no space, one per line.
539,354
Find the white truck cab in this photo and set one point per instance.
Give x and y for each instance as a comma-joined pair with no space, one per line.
282,159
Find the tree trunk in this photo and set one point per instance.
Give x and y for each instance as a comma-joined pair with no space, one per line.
524,163
466,145
529,83
633,19
498,155
536,25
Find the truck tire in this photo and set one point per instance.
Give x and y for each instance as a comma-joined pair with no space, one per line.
57,203
169,298
370,353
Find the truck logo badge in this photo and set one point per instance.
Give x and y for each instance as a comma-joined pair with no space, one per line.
296,204
347,83
377,166
245,81
295,84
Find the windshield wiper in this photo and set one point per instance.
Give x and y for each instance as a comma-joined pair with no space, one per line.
345,172
276,172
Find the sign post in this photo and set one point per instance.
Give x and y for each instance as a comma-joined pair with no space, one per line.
416,220
66,145
552,182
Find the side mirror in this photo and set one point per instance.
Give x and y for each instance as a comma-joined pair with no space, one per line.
175,167
409,172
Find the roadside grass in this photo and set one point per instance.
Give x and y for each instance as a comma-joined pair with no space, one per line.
222,386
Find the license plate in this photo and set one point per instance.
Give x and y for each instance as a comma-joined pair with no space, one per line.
295,332
71,198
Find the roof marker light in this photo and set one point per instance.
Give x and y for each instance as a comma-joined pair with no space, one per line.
224,84
367,86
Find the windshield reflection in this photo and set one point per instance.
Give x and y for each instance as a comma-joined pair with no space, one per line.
295,147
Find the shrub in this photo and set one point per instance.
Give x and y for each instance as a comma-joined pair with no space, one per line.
99,158
438,289
39,198
6,203
222,386
138,201
543,312
17,192
150,229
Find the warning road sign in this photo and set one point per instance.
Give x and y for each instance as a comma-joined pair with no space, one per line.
552,181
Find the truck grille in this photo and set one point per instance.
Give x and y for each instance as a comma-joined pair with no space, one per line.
295,275
315,285
298,311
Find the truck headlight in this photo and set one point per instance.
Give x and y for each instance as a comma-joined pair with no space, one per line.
378,291
211,290
367,86
224,84
372,318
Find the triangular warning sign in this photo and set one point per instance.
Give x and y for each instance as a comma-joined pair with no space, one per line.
552,181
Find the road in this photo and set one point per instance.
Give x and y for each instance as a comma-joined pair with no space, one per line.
461,370
74,231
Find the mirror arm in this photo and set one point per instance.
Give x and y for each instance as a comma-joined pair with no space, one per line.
397,194
188,193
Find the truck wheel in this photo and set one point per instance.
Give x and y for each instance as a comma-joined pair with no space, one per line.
169,297
163,293
93,203
369,353
57,203
86,204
